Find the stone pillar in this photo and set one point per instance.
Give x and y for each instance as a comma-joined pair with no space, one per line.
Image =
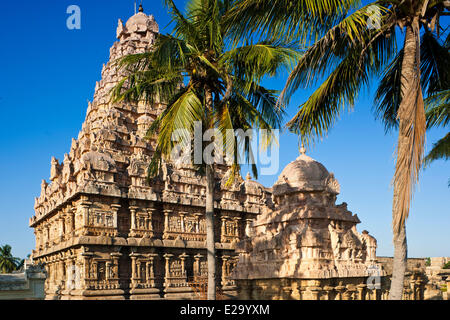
85,205
115,258
167,256
360,288
236,226
286,289
248,227
349,294
166,223
374,294
134,274
72,220
328,290
314,289
47,230
133,220
340,290
149,221
115,209
138,269
61,228
107,270
150,269
223,229
224,269
197,270
197,223
183,258
182,215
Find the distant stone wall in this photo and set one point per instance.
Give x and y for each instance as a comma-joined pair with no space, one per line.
412,264
26,285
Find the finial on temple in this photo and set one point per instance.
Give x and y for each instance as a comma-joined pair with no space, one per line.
301,148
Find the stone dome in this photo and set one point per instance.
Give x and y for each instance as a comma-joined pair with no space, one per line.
141,22
305,174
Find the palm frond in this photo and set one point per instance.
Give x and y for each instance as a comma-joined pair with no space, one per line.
438,109
441,150
340,90
303,19
388,95
351,34
435,64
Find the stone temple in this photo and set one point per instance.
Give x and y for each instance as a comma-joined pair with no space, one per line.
103,232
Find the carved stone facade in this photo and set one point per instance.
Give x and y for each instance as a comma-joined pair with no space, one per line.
103,232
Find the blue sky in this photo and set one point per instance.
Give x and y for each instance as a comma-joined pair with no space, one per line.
48,74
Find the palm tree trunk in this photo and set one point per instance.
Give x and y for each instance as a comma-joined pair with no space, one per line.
209,215
210,243
412,125
399,265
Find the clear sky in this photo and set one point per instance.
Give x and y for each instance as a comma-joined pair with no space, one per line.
48,74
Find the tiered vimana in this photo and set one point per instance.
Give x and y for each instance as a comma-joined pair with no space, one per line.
103,232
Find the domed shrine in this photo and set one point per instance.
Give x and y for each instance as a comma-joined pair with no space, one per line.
305,245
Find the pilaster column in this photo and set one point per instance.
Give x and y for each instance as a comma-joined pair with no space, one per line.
328,291
248,227
223,229
182,215
197,222
115,209
115,258
166,223
340,290
85,205
197,270
150,219
107,270
350,292
133,220
61,227
134,274
138,269
236,226
183,258
150,273
167,256
360,288
224,270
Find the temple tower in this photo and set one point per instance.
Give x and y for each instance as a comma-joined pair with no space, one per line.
103,232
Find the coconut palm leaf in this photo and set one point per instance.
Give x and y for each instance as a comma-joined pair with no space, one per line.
441,150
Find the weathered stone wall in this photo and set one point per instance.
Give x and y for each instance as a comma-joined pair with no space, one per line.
25,285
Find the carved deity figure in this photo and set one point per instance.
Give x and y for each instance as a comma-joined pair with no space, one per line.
336,241
370,244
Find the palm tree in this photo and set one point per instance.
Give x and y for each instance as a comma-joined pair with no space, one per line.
204,78
8,263
354,45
